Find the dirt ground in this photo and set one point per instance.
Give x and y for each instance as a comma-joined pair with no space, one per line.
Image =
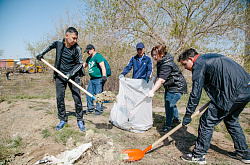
27,118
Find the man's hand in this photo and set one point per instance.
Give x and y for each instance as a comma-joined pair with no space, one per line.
147,79
39,57
104,79
121,76
186,120
68,76
151,94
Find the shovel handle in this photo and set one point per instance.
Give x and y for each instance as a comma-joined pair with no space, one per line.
180,125
64,76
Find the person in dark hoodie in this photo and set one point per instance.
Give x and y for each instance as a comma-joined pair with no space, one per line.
174,83
69,62
227,84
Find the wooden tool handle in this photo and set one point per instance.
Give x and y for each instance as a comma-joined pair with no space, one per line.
180,125
64,76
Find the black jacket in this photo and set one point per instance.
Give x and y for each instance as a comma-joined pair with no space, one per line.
169,71
221,78
78,70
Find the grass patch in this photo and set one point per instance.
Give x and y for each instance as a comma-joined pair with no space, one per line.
45,133
10,146
63,135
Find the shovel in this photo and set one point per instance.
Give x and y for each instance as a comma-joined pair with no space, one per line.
64,76
137,154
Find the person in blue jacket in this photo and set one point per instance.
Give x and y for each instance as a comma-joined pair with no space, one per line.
141,64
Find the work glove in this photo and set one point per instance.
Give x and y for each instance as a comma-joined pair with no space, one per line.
68,76
151,94
147,79
121,76
104,79
39,57
186,120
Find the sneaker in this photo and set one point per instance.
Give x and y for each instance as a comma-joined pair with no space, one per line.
166,129
191,158
60,125
175,123
85,112
234,155
98,113
81,126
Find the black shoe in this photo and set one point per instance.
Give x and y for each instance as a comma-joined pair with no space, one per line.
234,155
191,158
85,112
175,123
166,129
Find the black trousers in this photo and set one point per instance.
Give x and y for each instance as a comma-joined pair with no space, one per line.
213,116
61,84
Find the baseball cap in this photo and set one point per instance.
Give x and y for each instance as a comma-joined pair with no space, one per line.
89,47
140,46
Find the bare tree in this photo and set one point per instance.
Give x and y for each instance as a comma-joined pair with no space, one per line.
114,27
247,38
206,25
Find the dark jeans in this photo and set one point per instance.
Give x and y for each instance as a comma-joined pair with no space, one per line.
171,98
8,75
61,85
213,116
95,87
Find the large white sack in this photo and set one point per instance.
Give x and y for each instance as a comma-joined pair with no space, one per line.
133,109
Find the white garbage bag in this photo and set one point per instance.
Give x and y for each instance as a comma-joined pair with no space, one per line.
133,109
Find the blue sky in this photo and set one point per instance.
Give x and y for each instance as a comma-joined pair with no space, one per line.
27,20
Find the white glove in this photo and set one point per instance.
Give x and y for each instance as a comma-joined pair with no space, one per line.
151,93
121,76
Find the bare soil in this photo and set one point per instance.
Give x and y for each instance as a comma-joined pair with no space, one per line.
27,118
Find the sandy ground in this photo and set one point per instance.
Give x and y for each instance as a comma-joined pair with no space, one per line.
27,118
20,119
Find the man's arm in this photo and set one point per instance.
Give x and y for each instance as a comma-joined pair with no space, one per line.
85,64
102,65
78,61
198,78
128,67
46,50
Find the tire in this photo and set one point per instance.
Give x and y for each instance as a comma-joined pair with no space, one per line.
31,70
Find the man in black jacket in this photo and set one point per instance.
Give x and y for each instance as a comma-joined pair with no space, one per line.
227,85
69,62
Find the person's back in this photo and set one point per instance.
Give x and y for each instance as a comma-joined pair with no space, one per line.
223,77
174,80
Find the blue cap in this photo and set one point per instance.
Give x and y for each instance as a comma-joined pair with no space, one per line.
89,47
140,46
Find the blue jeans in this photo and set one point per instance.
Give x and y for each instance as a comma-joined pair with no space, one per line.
213,116
95,87
171,98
